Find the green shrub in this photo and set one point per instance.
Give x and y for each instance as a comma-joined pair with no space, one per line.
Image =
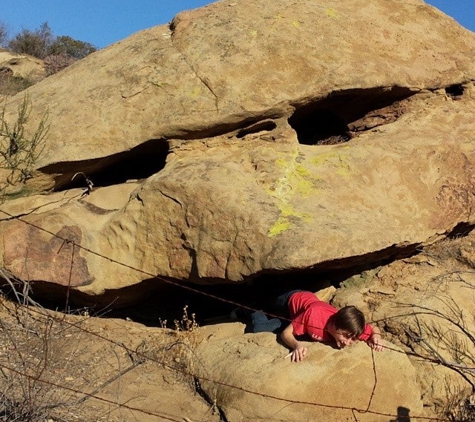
64,45
19,152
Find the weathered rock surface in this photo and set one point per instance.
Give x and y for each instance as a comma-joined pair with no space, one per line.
312,137
239,372
274,192
227,210
213,70
424,304
21,66
254,382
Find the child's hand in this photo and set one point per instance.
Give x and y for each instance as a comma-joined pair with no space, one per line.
298,354
375,342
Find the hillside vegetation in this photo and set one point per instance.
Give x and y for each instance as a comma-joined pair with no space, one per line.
55,52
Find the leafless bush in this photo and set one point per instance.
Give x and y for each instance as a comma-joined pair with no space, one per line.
56,62
57,367
459,250
34,43
3,33
444,335
178,352
460,408
39,367
48,368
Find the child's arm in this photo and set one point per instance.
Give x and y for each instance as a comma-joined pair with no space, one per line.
375,340
298,351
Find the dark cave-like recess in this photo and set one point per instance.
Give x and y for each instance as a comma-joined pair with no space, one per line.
138,163
325,121
455,91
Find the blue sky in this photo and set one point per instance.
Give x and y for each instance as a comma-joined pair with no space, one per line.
103,22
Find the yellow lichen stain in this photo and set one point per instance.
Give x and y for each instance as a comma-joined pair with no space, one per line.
344,168
296,179
324,158
345,172
331,13
288,211
339,161
284,222
281,162
296,24
196,92
302,171
281,225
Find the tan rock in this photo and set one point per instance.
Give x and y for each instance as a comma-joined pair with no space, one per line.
312,137
427,309
22,66
251,380
326,294
259,198
221,210
214,70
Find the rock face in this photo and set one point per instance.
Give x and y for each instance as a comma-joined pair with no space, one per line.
313,137
252,381
213,71
424,304
286,142
21,66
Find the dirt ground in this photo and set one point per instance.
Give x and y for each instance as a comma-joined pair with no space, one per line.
60,367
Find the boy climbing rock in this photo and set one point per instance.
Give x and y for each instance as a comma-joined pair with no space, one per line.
320,321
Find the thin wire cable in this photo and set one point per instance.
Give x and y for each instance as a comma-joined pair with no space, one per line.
230,302
188,288
224,384
197,291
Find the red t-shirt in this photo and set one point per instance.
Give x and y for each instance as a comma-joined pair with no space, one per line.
310,316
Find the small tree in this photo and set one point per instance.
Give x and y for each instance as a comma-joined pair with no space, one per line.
71,47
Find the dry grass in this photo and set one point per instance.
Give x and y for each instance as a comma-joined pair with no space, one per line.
41,370
10,85
460,408
458,250
58,367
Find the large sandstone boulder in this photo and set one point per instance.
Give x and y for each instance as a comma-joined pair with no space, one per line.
223,211
214,70
283,143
